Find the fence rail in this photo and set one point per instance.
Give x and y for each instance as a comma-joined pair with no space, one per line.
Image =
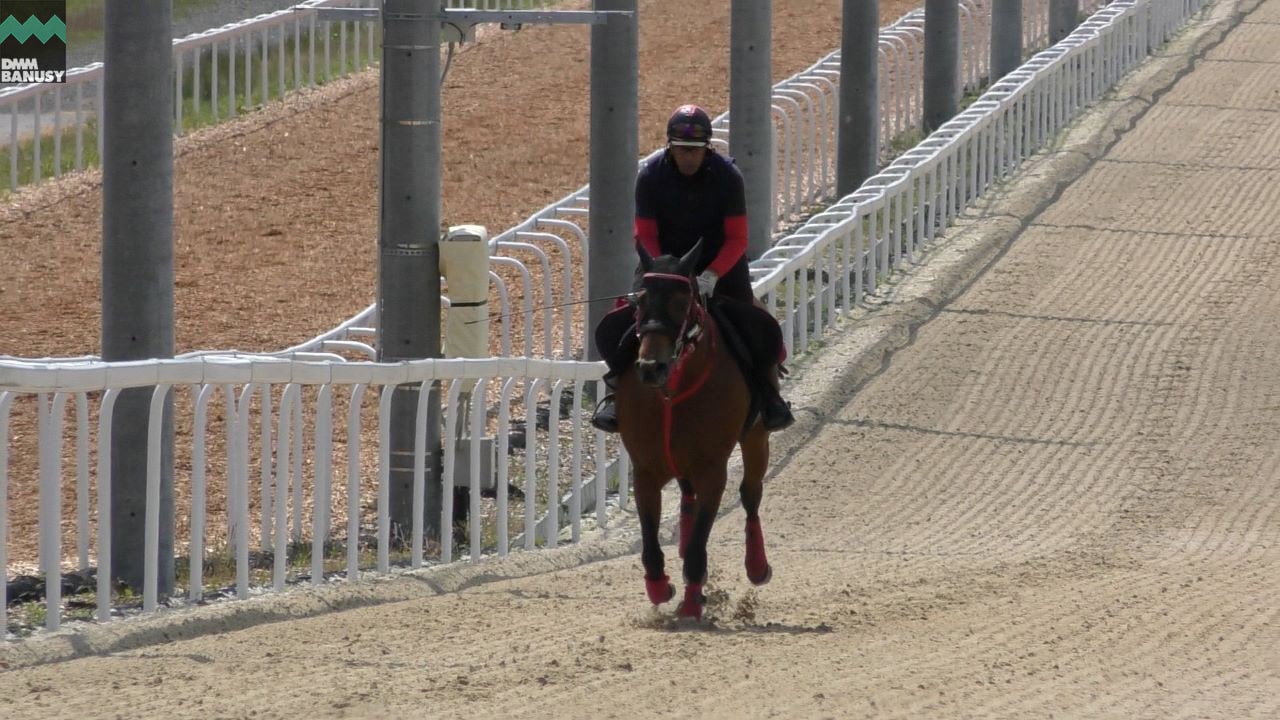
835,260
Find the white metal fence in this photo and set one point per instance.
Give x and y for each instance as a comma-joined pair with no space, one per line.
297,440
285,467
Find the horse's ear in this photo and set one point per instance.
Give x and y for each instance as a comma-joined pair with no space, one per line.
646,260
690,259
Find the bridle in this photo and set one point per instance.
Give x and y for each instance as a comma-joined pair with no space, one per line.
691,325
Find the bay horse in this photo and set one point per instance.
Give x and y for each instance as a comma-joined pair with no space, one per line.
682,407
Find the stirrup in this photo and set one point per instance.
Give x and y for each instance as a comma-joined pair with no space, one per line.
606,415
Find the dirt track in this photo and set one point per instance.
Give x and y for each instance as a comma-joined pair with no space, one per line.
1060,499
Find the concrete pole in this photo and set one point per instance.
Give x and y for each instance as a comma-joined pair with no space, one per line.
408,238
941,62
611,256
751,114
1063,18
858,137
1006,37
137,263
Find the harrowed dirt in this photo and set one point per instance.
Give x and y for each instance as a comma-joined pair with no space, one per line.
1037,477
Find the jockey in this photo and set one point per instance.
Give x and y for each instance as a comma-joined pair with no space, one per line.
691,192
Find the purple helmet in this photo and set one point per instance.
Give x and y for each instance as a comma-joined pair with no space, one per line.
689,126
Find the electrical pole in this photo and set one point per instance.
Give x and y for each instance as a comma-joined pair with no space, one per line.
1006,37
858,137
751,114
408,241
941,62
614,152
137,264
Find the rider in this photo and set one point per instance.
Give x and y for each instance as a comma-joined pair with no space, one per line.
687,193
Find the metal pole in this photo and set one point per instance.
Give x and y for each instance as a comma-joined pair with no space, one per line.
941,62
1063,18
615,86
137,263
408,239
751,114
1006,37
858,137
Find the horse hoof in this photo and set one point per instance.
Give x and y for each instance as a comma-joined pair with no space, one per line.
690,609
764,578
694,601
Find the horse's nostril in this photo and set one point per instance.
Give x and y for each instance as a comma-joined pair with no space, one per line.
651,372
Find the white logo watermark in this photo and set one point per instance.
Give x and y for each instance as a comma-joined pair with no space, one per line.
27,70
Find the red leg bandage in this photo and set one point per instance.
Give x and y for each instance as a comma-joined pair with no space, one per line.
757,563
659,590
693,600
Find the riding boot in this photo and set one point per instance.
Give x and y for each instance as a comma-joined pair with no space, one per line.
606,415
777,411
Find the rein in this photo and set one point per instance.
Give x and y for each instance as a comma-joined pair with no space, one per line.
687,337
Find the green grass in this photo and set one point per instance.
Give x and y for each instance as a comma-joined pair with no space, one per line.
193,117
85,17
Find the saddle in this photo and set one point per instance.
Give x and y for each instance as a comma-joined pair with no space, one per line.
754,341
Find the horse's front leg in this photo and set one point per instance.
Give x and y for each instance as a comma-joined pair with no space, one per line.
709,491
687,508
648,496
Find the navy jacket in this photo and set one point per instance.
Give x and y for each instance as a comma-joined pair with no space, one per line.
674,210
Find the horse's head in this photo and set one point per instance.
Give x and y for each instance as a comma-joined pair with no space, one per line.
668,313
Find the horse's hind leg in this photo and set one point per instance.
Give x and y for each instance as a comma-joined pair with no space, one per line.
695,556
687,500
648,497
755,461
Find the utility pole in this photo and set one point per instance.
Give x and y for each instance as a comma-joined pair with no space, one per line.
137,265
615,144
408,240
751,114
941,62
1006,37
858,137
1063,18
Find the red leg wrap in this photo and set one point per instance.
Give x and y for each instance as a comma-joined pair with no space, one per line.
757,563
659,590
691,607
